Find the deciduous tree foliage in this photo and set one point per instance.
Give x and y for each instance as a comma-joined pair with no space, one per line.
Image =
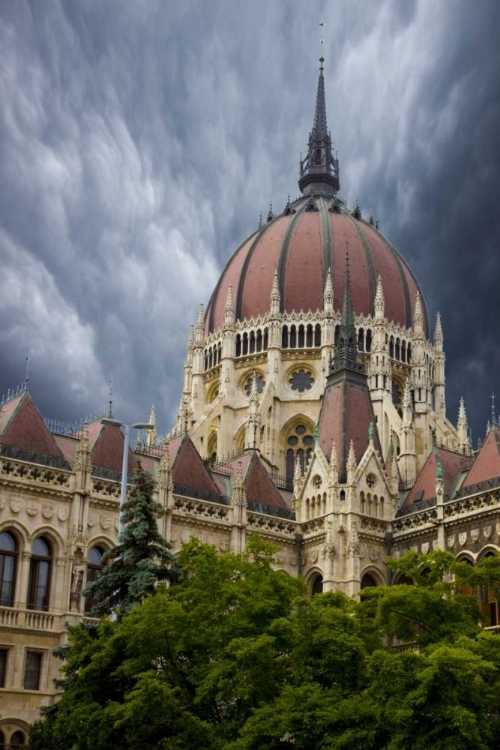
236,656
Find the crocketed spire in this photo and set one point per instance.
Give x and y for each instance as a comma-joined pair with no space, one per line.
319,171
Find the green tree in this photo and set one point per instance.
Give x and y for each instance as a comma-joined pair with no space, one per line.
140,559
236,656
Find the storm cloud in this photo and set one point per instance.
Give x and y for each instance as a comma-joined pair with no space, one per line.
139,140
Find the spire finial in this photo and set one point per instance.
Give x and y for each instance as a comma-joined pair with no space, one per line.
438,334
418,318
493,417
110,412
347,348
275,294
27,377
379,303
328,294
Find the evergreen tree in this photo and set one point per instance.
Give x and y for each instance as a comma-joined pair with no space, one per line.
140,559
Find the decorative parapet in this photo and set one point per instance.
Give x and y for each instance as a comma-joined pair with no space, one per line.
374,524
19,471
271,524
467,505
201,509
415,520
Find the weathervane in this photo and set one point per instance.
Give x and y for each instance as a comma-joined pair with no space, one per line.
27,378
322,41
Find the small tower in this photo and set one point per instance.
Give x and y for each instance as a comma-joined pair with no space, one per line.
462,427
198,376
319,171
151,434
407,458
439,377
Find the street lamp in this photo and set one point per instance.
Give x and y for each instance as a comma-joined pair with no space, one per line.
123,488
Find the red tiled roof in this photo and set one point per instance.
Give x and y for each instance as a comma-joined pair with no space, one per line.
259,487
302,246
487,464
26,429
189,470
68,445
345,416
107,451
425,486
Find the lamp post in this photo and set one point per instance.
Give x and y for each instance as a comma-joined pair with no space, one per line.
123,487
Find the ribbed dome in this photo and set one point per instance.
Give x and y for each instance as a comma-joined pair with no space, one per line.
301,245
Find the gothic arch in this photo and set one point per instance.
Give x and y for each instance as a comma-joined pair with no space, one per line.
488,548
19,531
466,556
314,579
102,541
375,574
54,536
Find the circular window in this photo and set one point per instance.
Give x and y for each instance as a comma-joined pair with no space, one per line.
301,380
299,446
317,481
293,440
260,384
371,480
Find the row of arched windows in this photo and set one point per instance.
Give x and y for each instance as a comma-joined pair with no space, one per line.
301,336
213,356
251,342
316,506
399,350
372,505
40,572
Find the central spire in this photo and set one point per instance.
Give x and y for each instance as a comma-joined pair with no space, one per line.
319,171
347,347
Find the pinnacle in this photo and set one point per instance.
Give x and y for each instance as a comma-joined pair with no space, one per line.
379,303
320,128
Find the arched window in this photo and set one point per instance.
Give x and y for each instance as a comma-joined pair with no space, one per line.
17,740
368,345
2,741
317,335
398,349
391,347
266,339
8,564
361,339
252,342
403,351
284,338
317,585
245,343
299,443
368,581
238,345
293,337
259,340
301,337
309,336
94,568
40,570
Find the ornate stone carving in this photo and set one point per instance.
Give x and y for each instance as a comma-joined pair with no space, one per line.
32,508
16,504
105,522
462,538
474,535
47,511
425,548
63,512
450,541
487,532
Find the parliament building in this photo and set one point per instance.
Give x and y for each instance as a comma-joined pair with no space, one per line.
313,411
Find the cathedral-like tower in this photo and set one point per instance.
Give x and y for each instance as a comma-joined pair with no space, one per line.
258,361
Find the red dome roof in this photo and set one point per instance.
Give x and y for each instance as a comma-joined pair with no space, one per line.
302,246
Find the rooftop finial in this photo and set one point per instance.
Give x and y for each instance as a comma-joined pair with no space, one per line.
110,412
319,171
27,378
493,417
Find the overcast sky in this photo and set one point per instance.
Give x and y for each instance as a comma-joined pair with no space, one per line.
140,139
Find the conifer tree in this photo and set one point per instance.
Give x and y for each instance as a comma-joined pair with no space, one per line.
140,559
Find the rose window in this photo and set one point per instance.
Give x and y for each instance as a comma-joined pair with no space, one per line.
301,380
260,384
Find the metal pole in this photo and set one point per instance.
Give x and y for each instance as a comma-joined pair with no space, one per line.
123,489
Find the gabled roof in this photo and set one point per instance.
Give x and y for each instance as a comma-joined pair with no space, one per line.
189,470
22,427
487,463
424,488
106,447
258,485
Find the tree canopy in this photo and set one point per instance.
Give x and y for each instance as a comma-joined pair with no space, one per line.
236,656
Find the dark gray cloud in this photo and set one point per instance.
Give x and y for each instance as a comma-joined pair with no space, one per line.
140,140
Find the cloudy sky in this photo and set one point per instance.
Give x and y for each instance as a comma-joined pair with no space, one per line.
140,139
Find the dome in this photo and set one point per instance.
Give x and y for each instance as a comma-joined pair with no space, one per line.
312,235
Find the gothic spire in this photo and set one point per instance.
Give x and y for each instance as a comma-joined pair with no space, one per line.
320,129
328,293
379,299
347,349
319,171
438,334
